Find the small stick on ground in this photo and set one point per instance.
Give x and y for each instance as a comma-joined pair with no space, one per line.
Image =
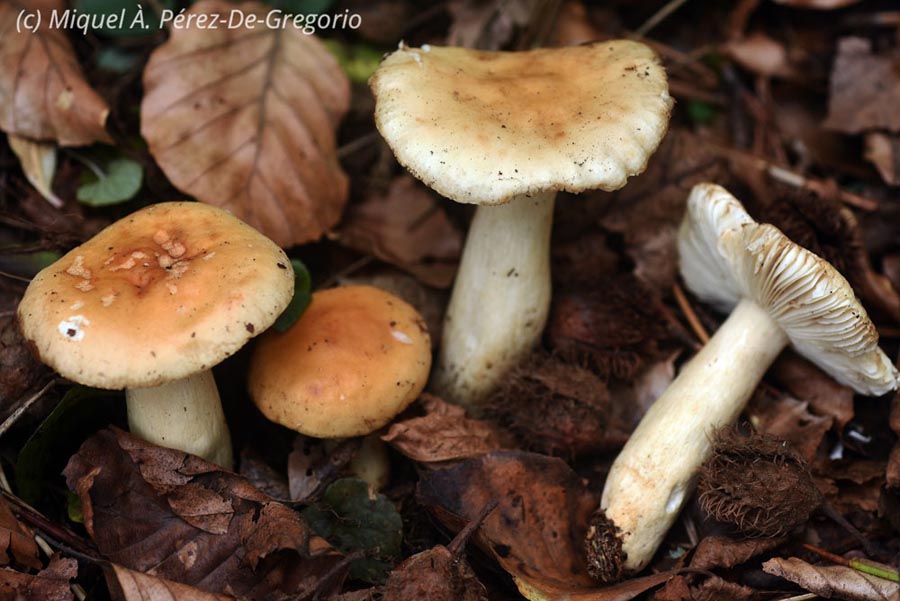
15,415
689,314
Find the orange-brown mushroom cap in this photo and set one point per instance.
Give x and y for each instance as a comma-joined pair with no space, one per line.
168,291
356,358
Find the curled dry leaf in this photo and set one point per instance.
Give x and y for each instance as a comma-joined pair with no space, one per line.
128,585
38,160
444,433
838,582
43,93
537,531
50,584
147,507
817,4
724,552
883,151
789,419
405,227
761,54
809,383
16,540
865,89
649,210
244,118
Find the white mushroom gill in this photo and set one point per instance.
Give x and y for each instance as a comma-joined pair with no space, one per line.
779,294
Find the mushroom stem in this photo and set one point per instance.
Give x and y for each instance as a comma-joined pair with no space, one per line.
655,471
500,299
184,414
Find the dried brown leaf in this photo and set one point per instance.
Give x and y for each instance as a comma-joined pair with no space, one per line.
760,54
486,25
128,585
38,161
716,589
808,383
244,118
789,419
43,93
150,508
817,4
20,369
724,552
405,227
16,540
537,531
649,210
50,584
435,575
883,151
840,582
311,466
444,433
865,89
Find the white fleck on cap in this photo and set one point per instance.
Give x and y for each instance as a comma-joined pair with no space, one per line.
483,127
726,256
161,294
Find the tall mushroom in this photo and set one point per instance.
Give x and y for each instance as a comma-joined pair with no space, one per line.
778,293
506,131
150,304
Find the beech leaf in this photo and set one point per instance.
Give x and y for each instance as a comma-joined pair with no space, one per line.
405,227
839,582
865,89
50,584
444,433
38,160
150,508
245,117
43,93
16,540
537,531
128,585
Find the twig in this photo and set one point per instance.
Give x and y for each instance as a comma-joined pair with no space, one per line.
352,267
59,535
689,314
15,415
459,541
357,144
866,567
658,17
786,176
13,276
803,597
888,332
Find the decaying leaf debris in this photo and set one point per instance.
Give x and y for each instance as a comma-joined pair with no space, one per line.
791,105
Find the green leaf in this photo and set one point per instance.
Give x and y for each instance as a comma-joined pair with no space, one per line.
352,517
299,302
116,60
358,61
74,508
115,180
700,112
108,14
81,411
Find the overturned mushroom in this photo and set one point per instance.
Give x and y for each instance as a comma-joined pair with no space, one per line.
150,304
507,130
778,294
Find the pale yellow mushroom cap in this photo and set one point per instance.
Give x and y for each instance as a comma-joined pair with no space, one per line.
726,256
166,292
357,357
482,127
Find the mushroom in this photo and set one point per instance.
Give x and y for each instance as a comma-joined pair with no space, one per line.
778,293
357,357
150,304
506,131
